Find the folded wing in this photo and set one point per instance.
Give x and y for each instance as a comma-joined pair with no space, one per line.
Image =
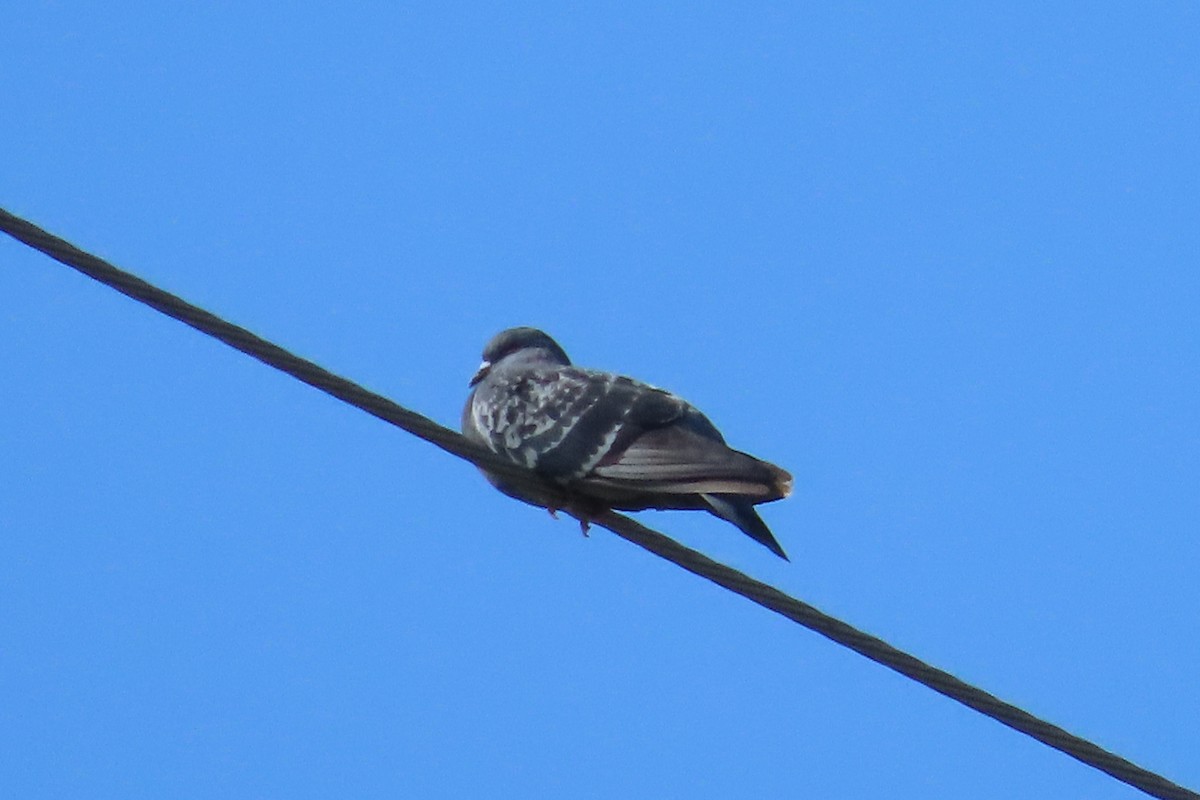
686,455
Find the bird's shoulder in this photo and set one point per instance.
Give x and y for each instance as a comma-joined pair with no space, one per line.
517,405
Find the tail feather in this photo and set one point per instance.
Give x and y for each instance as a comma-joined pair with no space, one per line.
741,512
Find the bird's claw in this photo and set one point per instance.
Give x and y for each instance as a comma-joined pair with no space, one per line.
584,523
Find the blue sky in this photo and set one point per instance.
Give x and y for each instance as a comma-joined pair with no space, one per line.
939,261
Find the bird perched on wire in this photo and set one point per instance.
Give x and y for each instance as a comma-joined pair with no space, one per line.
603,441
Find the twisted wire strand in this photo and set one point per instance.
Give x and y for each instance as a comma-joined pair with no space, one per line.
452,442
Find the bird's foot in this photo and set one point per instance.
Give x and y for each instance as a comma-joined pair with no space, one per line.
553,512
584,526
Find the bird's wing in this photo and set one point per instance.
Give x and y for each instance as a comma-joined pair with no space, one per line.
558,420
607,431
678,459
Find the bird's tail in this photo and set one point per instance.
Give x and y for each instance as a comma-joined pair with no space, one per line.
740,512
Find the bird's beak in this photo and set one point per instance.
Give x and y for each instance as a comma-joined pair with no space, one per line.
480,373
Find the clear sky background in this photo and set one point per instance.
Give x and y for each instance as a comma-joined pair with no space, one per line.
940,261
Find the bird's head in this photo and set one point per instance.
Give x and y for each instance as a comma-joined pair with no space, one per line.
525,344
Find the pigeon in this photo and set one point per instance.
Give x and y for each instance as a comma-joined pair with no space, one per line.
605,441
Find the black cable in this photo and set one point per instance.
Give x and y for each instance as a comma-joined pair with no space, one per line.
767,596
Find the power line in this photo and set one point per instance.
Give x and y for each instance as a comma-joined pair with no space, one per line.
767,596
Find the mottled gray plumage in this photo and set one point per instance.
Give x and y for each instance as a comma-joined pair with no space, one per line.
610,441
